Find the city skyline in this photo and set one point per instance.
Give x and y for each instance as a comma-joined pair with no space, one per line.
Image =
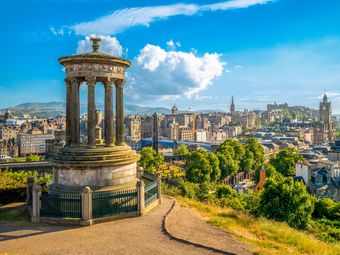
186,53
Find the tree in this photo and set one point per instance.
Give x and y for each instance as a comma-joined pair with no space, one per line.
150,160
227,165
257,150
215,174
248,161
202,166
285,200
197,167
285,160
181,150
31,158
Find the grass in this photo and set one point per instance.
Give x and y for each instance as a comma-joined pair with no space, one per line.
14,214
263,236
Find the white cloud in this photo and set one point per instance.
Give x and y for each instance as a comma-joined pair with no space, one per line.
57,32
108,44
158,73
123,19
173,45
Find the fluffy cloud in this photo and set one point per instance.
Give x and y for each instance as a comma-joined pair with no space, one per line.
123,19
158,73
108,44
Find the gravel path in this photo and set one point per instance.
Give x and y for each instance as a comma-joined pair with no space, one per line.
141,235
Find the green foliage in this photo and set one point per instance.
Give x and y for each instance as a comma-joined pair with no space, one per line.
286,114
327,208
248,161
285,200
188,189
13,184
202,166
223,191
181,150
17,160
257,150
322,208
31,158
284,161
150,160
326,230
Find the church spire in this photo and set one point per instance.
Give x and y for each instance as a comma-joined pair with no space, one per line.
232,106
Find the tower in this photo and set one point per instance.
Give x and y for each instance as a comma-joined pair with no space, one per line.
155,132
232,106
325,111
174,110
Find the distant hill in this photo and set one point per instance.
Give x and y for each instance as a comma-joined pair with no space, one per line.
52,109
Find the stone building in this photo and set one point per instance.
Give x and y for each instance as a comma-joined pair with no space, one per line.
325,129
33,143
133,128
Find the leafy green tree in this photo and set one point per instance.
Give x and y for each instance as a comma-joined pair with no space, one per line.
248,161
215,174
197,167
31,158
150,160
181,150
285,200
286,114
228,166
256,148
284,161
233,147
202,166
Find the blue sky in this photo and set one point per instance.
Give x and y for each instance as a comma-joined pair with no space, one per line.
192,53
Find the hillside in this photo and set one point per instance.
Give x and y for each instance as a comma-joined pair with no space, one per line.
52,109
265,236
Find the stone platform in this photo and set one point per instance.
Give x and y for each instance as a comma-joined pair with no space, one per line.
101,168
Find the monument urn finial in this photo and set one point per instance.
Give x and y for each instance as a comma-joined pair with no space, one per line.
95,44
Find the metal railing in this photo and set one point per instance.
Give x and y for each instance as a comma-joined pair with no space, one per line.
66,205
150,193
106,204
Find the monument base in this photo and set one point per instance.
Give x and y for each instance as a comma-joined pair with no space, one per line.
100,168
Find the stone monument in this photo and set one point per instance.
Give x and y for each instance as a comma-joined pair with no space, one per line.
100,165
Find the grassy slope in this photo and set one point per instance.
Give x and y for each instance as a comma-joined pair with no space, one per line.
265,236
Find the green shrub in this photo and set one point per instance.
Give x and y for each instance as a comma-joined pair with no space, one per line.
326,230
285,200
322,208
13,184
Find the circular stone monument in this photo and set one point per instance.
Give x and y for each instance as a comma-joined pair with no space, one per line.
97,164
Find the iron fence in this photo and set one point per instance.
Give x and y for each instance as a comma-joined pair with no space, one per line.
66,205
113,203
150,193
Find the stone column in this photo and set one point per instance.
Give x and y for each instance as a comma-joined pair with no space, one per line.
86,207
159,186
68,112
108,113
74,112
36,203
91,111
140,198
120,112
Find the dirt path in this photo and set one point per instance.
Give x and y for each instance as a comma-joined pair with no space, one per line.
141,235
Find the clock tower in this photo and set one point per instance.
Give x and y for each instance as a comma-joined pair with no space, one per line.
325,110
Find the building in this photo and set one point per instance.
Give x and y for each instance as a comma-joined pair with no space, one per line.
325,130
321,178
33,143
